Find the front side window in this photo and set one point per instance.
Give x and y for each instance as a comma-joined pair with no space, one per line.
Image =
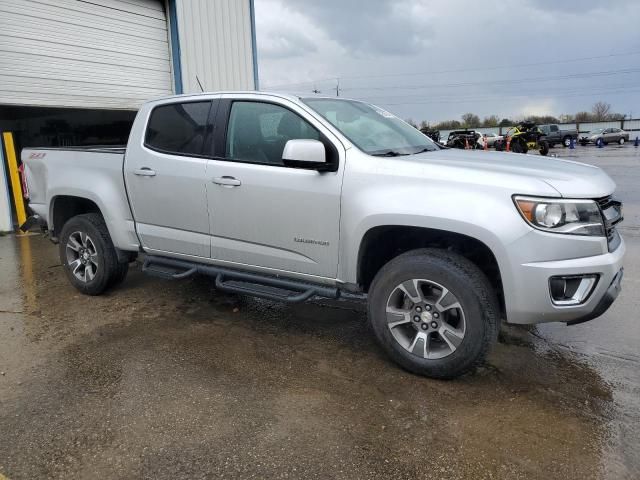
258,132
372,129
178,128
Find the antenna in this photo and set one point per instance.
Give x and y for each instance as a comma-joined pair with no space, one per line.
199,84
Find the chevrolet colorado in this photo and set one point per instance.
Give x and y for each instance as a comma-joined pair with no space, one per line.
289,198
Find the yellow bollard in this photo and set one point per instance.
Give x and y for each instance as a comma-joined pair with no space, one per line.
14,175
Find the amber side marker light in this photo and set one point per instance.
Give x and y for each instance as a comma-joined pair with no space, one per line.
526,207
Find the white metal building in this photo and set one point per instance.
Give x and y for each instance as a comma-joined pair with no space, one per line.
119,53
74,72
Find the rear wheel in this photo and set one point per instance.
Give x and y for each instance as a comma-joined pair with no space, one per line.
566,141
88,256
544,148
621,141
433,312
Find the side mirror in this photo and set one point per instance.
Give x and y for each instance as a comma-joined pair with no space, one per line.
308,154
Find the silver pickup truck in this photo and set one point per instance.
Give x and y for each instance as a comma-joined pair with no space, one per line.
290,198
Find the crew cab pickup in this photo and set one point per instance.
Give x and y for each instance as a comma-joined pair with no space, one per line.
290,198
553,135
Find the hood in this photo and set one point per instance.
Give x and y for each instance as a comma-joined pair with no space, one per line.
566,177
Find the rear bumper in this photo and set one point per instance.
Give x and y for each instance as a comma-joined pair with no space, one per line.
532,300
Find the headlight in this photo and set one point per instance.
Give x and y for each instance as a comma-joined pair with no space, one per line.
574,217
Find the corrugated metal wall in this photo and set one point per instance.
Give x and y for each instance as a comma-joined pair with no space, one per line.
73,53
215,44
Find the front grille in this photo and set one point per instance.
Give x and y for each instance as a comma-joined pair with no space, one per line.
611,211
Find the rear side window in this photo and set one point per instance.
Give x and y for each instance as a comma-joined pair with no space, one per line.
179,128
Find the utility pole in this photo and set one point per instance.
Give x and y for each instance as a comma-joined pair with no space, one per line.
337,87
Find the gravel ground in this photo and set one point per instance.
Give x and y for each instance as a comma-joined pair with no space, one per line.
174,380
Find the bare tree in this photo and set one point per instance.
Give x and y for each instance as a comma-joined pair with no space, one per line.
601,111
584,117
490,121
424,124
470,120
616,116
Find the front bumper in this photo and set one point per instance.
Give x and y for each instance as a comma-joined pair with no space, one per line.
605,302
528,300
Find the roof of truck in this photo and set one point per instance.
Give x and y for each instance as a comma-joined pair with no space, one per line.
229,92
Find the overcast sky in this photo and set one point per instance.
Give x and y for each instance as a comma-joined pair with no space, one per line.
435,60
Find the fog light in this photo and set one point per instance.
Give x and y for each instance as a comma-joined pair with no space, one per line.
571,290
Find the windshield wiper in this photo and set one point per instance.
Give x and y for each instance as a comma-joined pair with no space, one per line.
388,153
426,149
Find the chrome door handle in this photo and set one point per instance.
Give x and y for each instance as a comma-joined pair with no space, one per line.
227,181
145,172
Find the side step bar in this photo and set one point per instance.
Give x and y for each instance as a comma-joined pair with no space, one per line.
233,281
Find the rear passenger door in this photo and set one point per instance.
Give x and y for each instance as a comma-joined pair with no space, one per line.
266,216
165,178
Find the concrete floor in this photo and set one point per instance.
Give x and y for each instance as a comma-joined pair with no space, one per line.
174,380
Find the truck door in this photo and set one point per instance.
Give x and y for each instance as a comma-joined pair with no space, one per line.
165,179
265,214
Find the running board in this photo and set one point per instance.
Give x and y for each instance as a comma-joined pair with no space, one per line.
233,281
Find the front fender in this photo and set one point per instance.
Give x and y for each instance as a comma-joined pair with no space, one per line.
481,214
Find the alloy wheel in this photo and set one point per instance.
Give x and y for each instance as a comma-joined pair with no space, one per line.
82,256
425,318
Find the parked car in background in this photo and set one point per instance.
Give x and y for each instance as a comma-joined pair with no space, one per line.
491,139
431,133
555,135
608,135
464,139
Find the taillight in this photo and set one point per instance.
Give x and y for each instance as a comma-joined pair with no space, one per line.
23,176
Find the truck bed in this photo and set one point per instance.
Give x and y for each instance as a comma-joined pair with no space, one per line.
91,172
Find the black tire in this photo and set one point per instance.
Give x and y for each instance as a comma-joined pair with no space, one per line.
621,141
566,141
544,148
107,269
472,290
519,146
119,275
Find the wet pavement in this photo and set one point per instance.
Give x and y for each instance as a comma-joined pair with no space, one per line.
161,379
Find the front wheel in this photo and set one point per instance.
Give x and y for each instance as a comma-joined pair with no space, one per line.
519,146
433,312
621,141
88,256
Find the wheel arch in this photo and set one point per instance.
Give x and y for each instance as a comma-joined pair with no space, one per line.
380,244
63,207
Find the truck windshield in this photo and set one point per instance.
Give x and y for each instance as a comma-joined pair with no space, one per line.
372,129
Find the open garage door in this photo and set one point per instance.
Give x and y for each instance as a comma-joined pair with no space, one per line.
89,54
